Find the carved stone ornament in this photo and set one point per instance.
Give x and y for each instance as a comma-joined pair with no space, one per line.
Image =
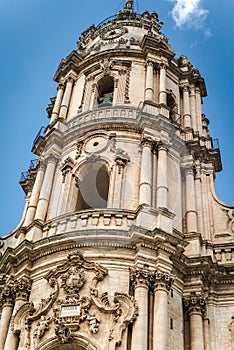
66,167
121,159
113,33
70,307
42,327
64,334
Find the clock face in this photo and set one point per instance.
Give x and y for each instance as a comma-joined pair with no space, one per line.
113,33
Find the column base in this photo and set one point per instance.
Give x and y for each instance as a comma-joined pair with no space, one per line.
151,219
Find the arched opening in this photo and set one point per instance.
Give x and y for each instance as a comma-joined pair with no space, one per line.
68,347
93,185
171,103
105,88
78,343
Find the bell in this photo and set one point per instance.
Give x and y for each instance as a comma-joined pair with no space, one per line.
107,101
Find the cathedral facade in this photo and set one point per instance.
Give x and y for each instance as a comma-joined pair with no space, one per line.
123,243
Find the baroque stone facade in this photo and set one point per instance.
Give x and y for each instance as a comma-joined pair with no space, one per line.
123,243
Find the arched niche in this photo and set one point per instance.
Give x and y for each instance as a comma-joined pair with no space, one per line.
93,185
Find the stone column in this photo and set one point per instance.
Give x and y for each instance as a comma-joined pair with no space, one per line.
146,173
57,104
193,108
162,85
191,213
149,86
46,189
7,300
196,307
162,285
140,278
66,98
31,210
187,112
199,110
162,189
21,290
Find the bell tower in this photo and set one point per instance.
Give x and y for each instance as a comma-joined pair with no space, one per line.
123,243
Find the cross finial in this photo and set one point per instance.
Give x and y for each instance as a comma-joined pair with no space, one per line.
129,4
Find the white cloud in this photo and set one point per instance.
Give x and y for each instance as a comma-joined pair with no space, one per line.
188,12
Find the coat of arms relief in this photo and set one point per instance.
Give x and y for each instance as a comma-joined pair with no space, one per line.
78,304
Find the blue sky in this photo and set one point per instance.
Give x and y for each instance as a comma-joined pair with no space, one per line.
36,34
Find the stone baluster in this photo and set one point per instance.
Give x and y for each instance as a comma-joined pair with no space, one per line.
149,88
187,112
140,277
66,98
7,301
162,285
57,104
31,210
162,85
21,290
191,212
146,173
46,189
162,187
195,307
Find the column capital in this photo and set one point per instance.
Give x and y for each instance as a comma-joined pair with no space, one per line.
195,304
7,296
60,86
51,158
161,146
189,170
140,277
21,289
70,79
147,142
162,281
162,65
185,88
150,62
